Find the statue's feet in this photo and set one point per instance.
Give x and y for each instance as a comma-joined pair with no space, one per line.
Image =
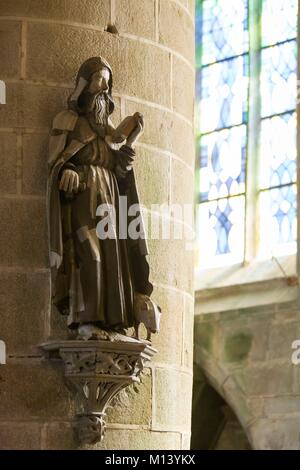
89,331
116,336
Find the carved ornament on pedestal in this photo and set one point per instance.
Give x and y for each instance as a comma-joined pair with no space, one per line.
96,372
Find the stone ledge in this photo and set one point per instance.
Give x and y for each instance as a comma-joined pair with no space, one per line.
97,371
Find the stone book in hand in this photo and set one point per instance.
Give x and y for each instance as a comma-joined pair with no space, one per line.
127,126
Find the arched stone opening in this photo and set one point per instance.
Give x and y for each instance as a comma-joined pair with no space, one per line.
215,426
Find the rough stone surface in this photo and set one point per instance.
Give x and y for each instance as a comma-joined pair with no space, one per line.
282,335
272,434
170,13
260,340
188,346
246,357
267,379
58,325
182,192
282,405
31,106
8,157
24,232
166,131
90,12
33,389
237,346
10,51
155,167
85,43
168,414
61,436
237,399
19,294
133,405
20,436
136,17
170,262
183,97
172,306
34,169
204,334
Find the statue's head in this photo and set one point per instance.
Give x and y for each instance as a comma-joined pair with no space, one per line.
93,90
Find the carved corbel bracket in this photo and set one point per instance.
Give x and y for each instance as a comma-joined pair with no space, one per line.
97,371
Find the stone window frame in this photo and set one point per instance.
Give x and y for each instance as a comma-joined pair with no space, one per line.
254,283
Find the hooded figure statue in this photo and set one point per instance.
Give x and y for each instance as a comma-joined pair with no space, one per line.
95,280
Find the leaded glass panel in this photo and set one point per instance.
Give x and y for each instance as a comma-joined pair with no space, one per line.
221,231
223,163
224,94
278,222
278,151
279,21
279,79
224,29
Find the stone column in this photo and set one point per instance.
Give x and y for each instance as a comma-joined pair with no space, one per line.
150,45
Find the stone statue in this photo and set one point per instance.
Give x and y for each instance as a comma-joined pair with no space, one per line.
99,282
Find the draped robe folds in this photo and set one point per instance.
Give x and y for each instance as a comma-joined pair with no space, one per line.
93,280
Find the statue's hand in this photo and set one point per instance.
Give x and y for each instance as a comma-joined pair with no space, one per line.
69,181
138,130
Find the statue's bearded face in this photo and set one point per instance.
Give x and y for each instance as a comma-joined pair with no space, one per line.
99,88
99,82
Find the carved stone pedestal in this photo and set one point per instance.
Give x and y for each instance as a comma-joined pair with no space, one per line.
96,372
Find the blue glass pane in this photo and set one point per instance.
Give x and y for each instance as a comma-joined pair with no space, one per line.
278,227
225,29
279,21
278,151
221,231
279,78
198,33
223,163
224,92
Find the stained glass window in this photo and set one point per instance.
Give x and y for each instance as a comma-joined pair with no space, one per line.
223,23
246,53
224,94
223,163
278,225
279,21
221,230
278,151
279,78
277,195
